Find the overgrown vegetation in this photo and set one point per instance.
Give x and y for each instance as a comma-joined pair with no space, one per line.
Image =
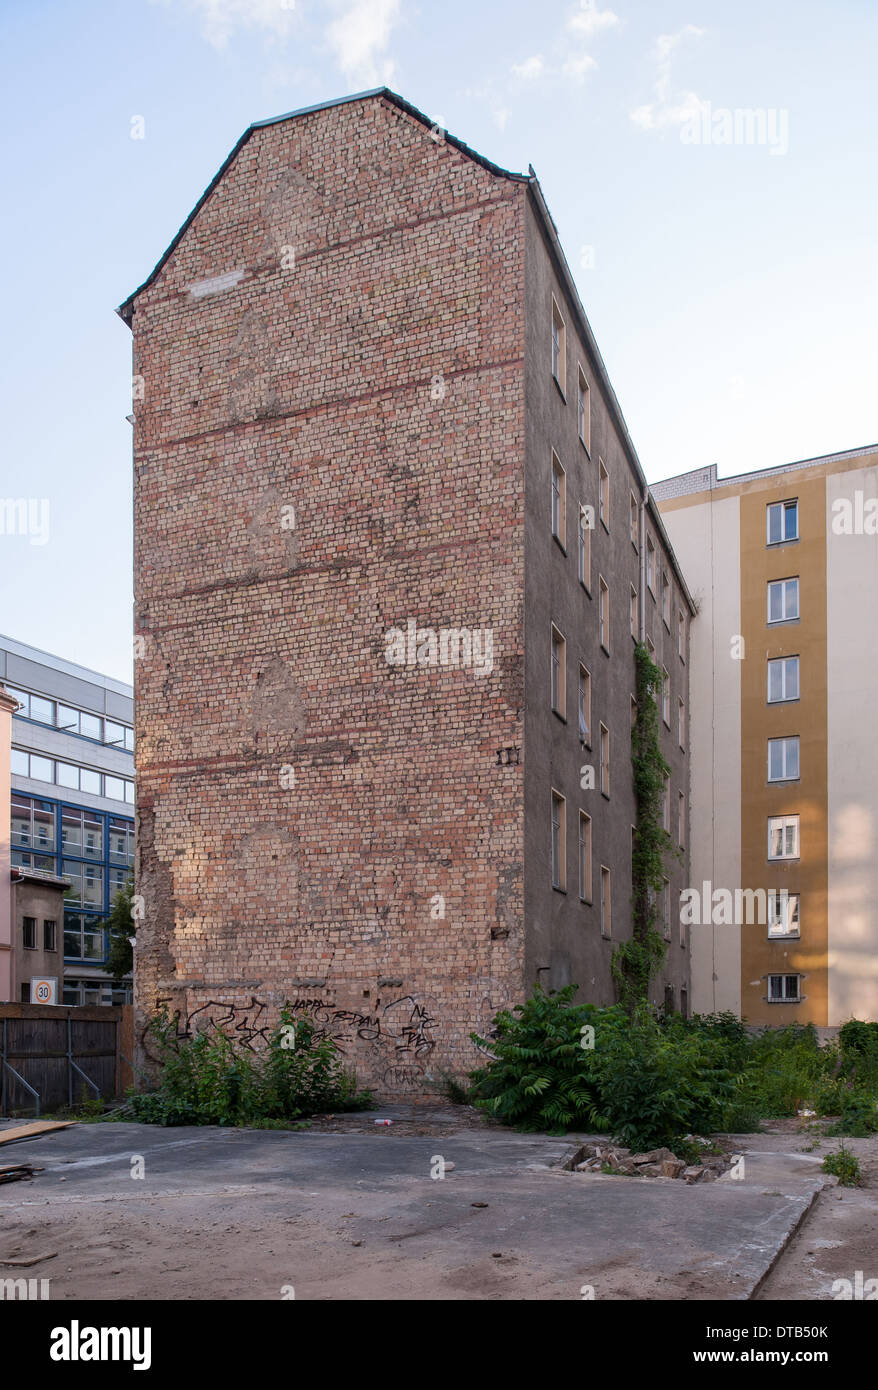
845,1166
212,1079
636,961
121,930
650,1080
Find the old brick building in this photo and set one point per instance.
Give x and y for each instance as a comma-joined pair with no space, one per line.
376,648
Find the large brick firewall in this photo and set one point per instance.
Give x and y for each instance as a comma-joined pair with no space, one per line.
330,447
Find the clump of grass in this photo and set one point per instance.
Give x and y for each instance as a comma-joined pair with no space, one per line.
844,1165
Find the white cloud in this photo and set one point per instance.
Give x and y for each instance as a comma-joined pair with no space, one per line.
668,110
220,18
588,20
530,68
583,24
359,36
578,66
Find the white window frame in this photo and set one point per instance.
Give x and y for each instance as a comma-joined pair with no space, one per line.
558,685
786,757
559,838
787,617
604,612
559,501
584,705
606,902
784,997
783,823
783,909
583,408
790,503
559,348
586,887
781,662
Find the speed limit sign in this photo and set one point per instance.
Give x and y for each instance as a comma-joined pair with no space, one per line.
43,991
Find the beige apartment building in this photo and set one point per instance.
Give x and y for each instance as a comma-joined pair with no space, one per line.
783,565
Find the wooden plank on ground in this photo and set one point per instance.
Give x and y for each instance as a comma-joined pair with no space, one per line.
37,1127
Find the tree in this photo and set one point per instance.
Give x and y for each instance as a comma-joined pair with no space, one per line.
120,929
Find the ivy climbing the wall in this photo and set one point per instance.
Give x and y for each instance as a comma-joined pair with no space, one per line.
636,962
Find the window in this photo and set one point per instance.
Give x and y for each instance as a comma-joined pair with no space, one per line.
584,857
583,554
666,600
559,673
783,759
86,883
605,760
783,914
29,933
82,833
50,936
783,600
666,908
67,775
783,989
681,820
782,522
42,710
606,903
604,495
681,635
42,769
83,937
559,501
783,679
559,348
633,520
114,788
650,564
666,802
783,837
605,615
121,841
118,879
559,837
681,724
633,612
583,411
666,697
33,823
584,706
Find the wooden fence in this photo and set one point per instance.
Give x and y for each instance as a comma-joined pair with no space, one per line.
58,1055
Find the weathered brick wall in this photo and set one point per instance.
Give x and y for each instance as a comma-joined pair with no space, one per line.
303,483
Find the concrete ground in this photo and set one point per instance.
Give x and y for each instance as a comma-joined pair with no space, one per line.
347,1209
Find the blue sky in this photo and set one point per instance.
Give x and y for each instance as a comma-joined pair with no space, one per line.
731,286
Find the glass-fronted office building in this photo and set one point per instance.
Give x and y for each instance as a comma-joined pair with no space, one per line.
73,800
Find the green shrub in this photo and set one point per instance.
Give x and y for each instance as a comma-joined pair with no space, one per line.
845,1166
212,1079
858,1117
656,1084
540,1077
645,1084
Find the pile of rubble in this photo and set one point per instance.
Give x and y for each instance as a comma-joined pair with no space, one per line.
658,1163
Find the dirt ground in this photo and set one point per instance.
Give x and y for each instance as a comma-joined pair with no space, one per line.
350,1209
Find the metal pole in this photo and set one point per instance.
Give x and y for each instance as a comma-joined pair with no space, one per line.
3,1070
69,1064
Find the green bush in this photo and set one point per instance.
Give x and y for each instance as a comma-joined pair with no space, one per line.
648,1081
212,1079
657,1084
645,1084
845,1166
858,1117
540,1077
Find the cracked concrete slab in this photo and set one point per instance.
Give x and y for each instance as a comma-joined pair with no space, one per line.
356,1215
